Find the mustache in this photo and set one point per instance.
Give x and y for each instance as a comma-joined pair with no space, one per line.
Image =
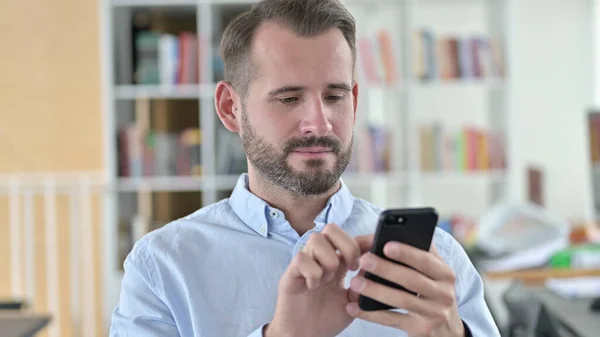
328,142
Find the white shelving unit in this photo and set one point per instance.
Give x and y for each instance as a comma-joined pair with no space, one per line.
184,91
404,105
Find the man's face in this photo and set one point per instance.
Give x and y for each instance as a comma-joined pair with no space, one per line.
298,117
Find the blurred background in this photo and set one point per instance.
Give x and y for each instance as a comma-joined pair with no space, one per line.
483,109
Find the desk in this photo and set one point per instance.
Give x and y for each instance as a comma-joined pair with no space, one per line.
497,283
573,313
21,324
539,275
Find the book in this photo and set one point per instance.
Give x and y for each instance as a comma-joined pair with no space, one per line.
367,60
147,45
593,121
167,154
386,50
456,57
467,149
376,58
165,49
371,151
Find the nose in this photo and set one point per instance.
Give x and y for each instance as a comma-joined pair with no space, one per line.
316,120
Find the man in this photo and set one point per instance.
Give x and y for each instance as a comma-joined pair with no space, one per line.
279,258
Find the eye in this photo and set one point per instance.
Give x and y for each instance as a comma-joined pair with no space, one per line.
288,100
335,98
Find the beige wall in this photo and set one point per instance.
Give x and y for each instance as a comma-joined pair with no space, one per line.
50,113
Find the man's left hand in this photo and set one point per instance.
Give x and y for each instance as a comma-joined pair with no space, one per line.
433,313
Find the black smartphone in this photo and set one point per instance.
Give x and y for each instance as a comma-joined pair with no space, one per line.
412,226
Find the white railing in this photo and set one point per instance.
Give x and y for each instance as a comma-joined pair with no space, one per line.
22,190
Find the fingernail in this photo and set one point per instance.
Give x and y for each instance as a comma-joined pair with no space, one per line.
357,283
356,265
392,249
367,262
352,309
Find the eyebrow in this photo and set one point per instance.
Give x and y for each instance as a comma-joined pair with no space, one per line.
340,86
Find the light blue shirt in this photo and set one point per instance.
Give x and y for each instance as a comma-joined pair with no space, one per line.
215,272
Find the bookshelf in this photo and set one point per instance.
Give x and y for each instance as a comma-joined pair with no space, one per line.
396,102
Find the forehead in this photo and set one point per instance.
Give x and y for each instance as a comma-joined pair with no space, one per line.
278,51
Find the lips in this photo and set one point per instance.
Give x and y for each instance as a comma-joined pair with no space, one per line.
312,146
315,149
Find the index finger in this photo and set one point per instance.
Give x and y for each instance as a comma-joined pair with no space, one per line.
423,261
364,243
342,242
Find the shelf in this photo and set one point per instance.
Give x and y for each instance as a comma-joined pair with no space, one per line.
230,2
460,177
394,88
152,3
184,91
157,184
163,3
450,2
176,184
539,275
197,91
494,84
354,179
226,182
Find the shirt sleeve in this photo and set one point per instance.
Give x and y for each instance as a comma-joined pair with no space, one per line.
472,307
140,311
467,330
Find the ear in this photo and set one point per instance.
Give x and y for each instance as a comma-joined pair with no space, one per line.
355,99
228,106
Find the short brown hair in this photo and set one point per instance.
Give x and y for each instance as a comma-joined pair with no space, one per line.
304,17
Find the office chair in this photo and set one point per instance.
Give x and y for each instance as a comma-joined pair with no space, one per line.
528,317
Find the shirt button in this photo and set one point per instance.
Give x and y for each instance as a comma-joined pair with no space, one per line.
301,248
262,229
273,214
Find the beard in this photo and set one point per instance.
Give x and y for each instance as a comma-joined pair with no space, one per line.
273,165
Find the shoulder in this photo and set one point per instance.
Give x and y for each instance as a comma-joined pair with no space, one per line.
188,235
169,249
364,208
210,220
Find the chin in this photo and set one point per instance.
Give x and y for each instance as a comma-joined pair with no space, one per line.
312,165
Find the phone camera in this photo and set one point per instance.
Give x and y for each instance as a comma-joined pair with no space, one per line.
394,220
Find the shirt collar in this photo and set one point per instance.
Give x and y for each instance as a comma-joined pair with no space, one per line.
254,211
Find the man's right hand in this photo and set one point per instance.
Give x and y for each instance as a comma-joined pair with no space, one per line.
312,298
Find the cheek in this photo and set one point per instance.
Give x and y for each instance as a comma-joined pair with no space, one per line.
343,127
270,125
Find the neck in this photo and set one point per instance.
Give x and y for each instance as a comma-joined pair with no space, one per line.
300,211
